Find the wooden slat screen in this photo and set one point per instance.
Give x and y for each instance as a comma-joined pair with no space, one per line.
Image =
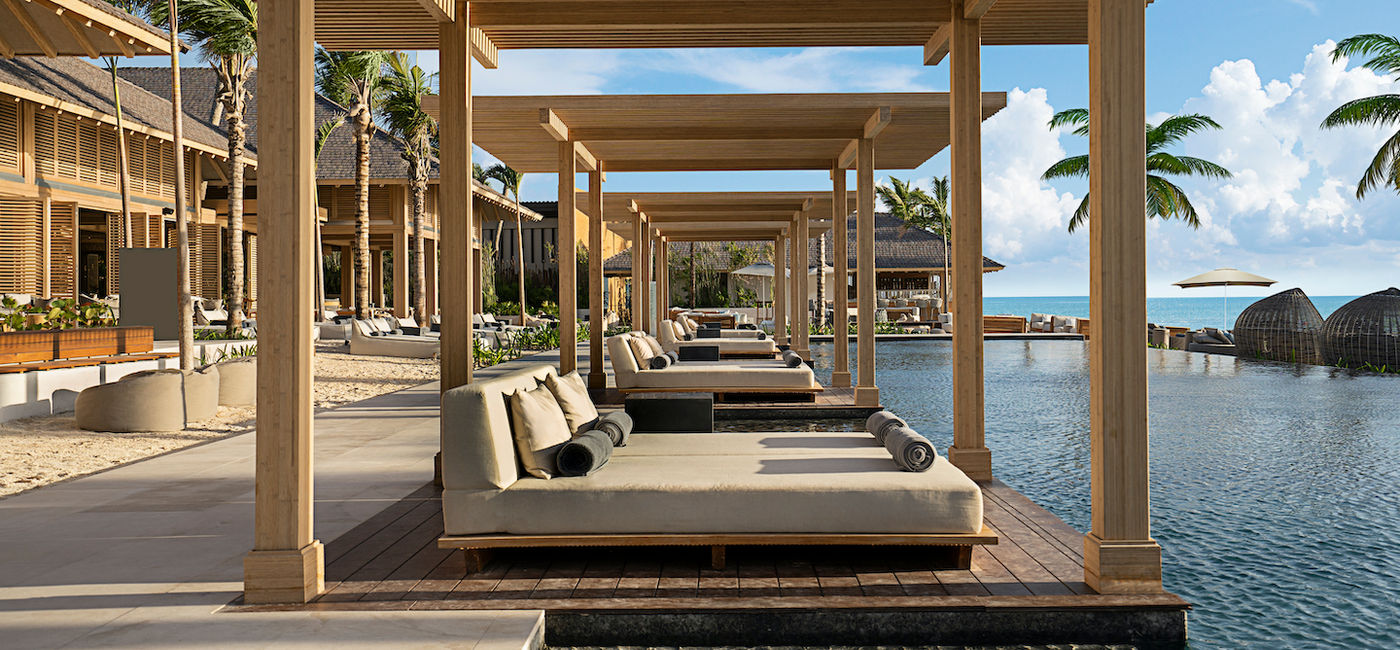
343,208
67,147
136,163
380,200
21,246
9,133
210,279
116,240
62,265
251,266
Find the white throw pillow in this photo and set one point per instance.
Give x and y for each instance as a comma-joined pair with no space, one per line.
655,345
642,350
539,428
572,394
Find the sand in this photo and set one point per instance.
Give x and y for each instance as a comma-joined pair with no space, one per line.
42,450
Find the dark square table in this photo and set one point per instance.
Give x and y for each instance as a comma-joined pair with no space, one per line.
671,412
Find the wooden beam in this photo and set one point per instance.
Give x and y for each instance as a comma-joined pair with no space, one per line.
780,280
877,122
30,27
568,259
976,9
847,159
555,127
803,325
1120,555
866,392
726,132
79,33
6,50
585,158
937,46
122,43
841,372
639,229
484,49
969,451
597,309
442,11
455,286
287,563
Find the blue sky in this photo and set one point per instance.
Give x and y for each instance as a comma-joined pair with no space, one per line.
1259,67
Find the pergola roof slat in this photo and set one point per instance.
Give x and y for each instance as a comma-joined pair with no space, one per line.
85,28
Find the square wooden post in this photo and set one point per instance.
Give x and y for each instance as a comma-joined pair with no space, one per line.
639,305
347,277
663,279
840,324
780,283
866,392
455,286
597,309
1120,555
568,260
400,270
376,277
430,280
802,245
645,247
287,563
969,451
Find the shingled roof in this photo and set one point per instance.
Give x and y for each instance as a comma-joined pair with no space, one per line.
199,92
74,81
896,249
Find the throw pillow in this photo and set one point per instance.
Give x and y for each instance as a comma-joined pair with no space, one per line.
572,394
641,350
540,428
654,344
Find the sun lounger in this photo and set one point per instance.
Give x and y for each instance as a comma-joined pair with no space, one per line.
723,377
751,347
364,340
693,489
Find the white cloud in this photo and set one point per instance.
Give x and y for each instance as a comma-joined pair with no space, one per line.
843,69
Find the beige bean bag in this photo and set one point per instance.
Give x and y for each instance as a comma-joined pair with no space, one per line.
238,382
145,401
201,394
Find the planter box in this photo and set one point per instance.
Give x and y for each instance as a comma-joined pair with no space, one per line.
52,345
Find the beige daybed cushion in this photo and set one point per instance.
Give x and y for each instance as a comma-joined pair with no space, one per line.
750,345
631,372
539,427
718,489
572,394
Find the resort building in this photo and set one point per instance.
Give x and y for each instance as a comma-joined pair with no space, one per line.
60,194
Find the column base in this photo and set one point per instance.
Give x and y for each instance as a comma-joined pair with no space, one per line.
1122,566
284,576
840,380
437,469
597,380
867,396
779,340
975,462
804,352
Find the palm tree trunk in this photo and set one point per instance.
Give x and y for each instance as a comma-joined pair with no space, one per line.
122,174
237,135
182,228
362,125
520,256
420,191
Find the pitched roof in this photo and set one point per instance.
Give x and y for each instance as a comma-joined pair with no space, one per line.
73,81
896,249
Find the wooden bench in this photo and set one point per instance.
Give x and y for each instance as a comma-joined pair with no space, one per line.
478,548
1004,324
85,362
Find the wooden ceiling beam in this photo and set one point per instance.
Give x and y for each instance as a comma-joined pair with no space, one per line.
936,49
6,50
722,164
629,134
27,21
877,122
484,49
125,47
847,159
567,15
976,9
555,127
79,33
586,160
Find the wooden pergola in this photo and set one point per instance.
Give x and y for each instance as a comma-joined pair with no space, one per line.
286,562
89,28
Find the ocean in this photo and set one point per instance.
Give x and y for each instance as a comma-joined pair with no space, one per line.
1194,312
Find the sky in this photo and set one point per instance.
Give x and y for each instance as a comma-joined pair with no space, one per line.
1261,68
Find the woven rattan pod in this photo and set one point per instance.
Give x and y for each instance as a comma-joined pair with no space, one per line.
1365,331
1283,327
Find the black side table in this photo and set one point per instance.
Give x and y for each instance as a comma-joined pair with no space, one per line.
697,353
671,412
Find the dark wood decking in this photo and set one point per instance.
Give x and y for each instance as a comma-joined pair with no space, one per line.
392,562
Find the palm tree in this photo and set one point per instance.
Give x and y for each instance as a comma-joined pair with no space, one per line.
510,181
404,116
323,134
354,80
1164,199
139,9
478,173
918,209
941,215
1379,110
227,34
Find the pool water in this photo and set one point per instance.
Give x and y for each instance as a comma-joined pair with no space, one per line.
1275,487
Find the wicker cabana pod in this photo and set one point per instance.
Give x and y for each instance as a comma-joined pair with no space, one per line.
1365,331
1283,327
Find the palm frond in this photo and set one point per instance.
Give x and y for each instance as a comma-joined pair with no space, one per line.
1379,110
1384,51
1384,170
1072,117
1081,215
1071,167
1167,201
324,131
1185,166
1176,127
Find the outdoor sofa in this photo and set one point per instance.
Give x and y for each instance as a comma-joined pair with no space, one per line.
632,372
706,489
687,325
366,339
751,347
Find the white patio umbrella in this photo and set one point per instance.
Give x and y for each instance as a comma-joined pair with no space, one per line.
1225,278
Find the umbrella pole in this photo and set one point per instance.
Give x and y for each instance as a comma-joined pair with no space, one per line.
1225,311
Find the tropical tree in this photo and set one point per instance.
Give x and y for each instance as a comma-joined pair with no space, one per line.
1378,110
927,212
940,217
140,9
355,81
323,134
227,34
478,172
510,181
403,114
1164,199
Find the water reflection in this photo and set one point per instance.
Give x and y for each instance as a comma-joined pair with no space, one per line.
1276,487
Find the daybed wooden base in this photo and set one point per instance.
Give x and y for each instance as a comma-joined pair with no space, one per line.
740,394
478,548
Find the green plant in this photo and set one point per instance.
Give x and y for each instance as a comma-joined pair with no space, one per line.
1378,110
1164,199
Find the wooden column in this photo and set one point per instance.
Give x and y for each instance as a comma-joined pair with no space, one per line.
866,392
287,563
347,277
780,283
804,314
430,280
400,266
597,310
568,260
841,375
659,244
376,278
476,277
1120,555
969,451
645,247
639,306
455,285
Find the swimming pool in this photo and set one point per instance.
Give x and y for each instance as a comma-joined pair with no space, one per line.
1275,487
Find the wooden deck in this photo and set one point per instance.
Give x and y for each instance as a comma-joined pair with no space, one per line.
1026,589
830,403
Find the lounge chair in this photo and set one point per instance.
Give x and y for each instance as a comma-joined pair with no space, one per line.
365,339
633,373
748,348
697,489
689,326
1211,341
